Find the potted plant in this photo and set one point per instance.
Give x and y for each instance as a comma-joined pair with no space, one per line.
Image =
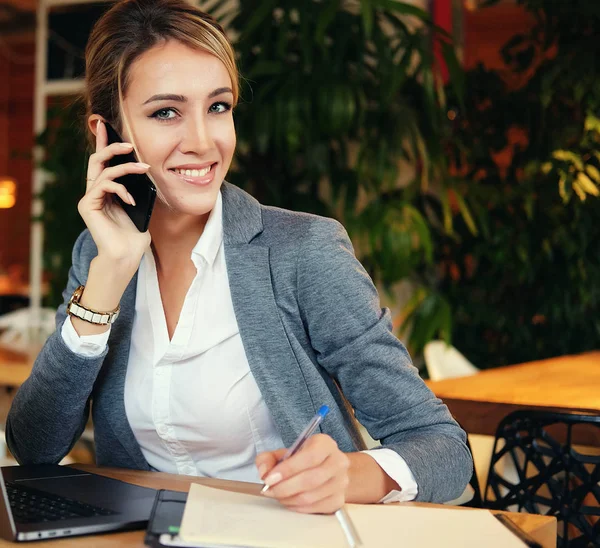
528,286
342,114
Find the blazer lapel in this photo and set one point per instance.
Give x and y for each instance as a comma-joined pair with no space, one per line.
113,406
270,356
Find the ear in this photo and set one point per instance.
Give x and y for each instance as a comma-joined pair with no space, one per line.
93,122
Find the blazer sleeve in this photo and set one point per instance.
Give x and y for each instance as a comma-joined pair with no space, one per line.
353,340
51,408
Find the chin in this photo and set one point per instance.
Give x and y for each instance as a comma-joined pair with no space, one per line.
195,204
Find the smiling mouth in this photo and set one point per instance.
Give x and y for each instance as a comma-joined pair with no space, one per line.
194,172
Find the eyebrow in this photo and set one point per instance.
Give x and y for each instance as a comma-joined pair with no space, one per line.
182,98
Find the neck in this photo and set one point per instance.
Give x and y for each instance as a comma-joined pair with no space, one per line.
174,235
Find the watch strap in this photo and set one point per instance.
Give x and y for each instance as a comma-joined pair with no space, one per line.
74,308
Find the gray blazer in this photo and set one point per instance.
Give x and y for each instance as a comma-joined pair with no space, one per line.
311,325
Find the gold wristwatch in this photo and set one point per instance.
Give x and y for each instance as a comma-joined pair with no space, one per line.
87,314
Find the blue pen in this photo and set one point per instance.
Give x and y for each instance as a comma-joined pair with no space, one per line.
344,519
304,435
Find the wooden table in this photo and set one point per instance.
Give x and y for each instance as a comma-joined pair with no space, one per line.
541,528
15,366
480,401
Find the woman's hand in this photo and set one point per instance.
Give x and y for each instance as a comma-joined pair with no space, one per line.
314,480
114,233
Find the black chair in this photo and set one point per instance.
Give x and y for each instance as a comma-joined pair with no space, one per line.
555,477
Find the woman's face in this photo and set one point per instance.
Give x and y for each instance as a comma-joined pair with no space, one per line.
179,103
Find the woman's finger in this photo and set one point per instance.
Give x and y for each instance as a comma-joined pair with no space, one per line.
101,136
337,485
103,152
97,195
98,160
315,451
327,505
112,173
304,482
95,198
311,479
100,157
95,166
266,461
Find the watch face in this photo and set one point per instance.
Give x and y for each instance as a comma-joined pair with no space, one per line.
75,298
77,293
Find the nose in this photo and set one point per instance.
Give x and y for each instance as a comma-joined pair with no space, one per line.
196,137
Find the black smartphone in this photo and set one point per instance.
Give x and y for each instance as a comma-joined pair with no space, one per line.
138,185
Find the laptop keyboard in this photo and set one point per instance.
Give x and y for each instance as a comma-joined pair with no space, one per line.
31,505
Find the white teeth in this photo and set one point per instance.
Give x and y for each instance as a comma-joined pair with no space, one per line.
193,172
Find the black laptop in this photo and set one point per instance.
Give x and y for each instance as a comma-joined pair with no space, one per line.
51,501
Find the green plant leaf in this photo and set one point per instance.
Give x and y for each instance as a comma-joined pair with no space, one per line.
403,8
431,317
587,184
447,212
562,189
417,297
261,13
593,172
568,156
466,213
366,10
423,232
592,123
326,17
456,72
579,191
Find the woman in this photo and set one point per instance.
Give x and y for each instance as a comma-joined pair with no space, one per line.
237,321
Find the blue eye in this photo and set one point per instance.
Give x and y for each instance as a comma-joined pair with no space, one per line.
164,114
219,107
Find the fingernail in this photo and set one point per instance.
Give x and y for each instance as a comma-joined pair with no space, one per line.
261,470
273,479
142,164
126,145
131,200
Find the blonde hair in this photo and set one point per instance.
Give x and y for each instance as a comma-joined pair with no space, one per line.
132,27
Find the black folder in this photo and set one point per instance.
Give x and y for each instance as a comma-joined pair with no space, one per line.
166,516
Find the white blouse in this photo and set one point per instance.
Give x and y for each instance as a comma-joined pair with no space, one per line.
192,401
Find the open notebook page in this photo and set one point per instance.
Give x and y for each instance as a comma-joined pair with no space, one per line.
216,517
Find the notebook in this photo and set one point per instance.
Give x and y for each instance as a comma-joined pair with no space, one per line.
217,518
